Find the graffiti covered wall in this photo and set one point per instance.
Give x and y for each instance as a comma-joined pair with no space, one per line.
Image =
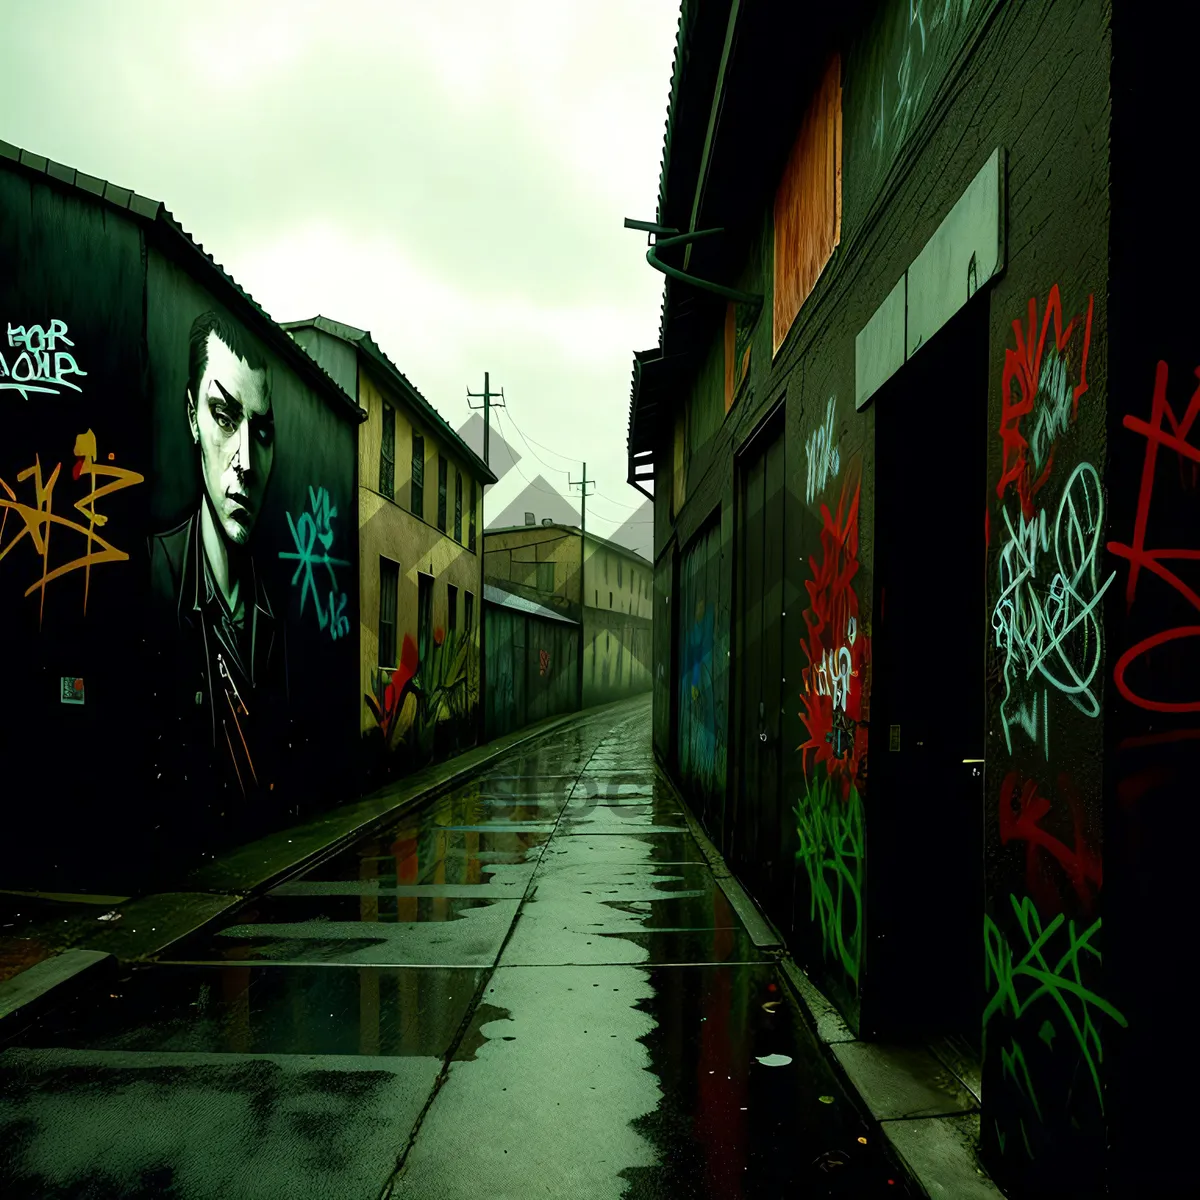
414,711
253,563
177,573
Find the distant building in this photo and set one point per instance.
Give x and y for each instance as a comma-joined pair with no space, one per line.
420,516
605,587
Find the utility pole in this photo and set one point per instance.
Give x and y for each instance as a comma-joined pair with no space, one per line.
488,398
582,485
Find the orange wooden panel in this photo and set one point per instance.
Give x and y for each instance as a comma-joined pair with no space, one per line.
808,203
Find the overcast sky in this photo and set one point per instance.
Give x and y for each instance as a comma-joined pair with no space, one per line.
450,174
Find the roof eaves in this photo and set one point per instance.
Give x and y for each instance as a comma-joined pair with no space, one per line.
155,214
371,347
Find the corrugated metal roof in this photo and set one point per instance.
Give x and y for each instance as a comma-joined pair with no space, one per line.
156,214
497,596
362,338
571,529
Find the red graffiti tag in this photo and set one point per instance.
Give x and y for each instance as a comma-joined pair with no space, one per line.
838,651
1156,435
1044,383
1023,823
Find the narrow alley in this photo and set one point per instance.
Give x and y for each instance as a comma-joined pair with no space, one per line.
532,985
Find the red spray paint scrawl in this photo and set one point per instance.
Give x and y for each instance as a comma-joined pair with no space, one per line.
1048,400
838,651
1175,438
1022,822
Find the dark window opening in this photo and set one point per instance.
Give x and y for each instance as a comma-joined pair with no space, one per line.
418,475
451,609
443,470
469,613
387,453
458,506
424,617
619,564
389,587
471,520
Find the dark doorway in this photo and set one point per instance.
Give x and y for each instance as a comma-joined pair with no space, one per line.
924,963
755,819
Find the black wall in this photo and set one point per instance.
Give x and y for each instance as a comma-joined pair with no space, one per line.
88,796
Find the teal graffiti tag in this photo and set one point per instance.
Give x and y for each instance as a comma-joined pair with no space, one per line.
832,851
313,537
1020,983
38,365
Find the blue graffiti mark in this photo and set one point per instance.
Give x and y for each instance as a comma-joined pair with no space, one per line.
698,706
316,526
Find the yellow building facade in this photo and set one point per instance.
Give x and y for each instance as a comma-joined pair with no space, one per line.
420,527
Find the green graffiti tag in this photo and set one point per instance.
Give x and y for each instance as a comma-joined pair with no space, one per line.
832,851
1019,984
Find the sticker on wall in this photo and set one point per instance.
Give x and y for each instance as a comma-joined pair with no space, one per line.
70,690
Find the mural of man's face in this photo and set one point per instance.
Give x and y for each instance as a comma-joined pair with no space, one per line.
234,427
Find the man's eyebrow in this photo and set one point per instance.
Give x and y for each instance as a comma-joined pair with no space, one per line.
229,399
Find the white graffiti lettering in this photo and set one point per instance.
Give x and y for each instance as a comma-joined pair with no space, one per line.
39,365
824,460
1051,629
833,672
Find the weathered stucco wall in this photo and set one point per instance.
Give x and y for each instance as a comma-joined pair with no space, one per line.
442,713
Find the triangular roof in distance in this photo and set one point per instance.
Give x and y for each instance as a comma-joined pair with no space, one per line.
568,530
154,215
367,344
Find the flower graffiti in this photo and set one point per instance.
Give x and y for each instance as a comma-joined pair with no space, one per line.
1045,399
833,690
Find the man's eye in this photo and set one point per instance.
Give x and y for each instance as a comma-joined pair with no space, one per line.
223,422
265,435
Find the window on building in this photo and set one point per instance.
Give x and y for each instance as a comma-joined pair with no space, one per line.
389,587
458,506
451,609
610,599
424,617
545,576
471,518
808,203
443,471
418,475
387,453
469,613
618,572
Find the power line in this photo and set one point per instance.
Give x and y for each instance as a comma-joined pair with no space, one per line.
530,443
529,481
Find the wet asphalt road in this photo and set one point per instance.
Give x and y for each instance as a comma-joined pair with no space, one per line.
531,987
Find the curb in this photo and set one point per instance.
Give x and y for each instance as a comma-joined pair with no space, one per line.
177,915
929,1119
28,994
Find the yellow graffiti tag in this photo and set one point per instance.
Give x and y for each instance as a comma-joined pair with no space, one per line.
38,519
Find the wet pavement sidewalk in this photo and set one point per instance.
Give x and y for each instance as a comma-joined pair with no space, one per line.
532,986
